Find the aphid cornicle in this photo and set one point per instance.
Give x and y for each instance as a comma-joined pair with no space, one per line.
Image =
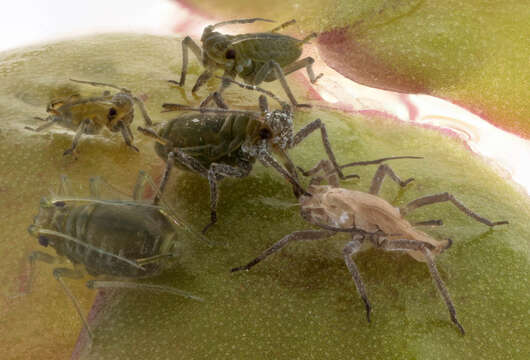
369,218
90,115
108,239
255,57
228,144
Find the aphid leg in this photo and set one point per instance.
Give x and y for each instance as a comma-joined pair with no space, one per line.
349,250
308,64
141,105
329,175
95,83
217,172
64,187
80,131
429,223
187,43
270,71
257,88
406,245
218,99
165,177
295,236
433,199
59,273
95,191
283,26
139,186
152,134
268,160
43,126
98,284
33,257
128,136
201,80
306,131
226,80
379,176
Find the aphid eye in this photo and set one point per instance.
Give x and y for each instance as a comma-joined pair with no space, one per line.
265,133
43,240
230,54
112,113
59,203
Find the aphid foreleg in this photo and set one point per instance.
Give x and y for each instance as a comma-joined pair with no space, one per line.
306,131
270,71
201,80
187,43
33,257
141,105
295,236
59,273
82,128
50,123
379,176
268,160
433,199
406,245
98,284
349,250
127,136
257,88
226,81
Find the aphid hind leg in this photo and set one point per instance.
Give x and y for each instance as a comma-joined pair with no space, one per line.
306,131
442,197
405,245
379,176
217,172
271,71
349,250
59,273
308,64
82,128
295,236
187,43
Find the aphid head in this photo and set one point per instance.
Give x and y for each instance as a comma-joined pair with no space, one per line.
49,211
280,125
120,111
218,48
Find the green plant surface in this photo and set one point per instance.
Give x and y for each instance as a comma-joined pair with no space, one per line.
300,302
474,53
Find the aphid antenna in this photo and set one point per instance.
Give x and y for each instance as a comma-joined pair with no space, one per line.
95,83
378,161
35,229
174,107
255,88
238,21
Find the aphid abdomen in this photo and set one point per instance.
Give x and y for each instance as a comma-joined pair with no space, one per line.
130,231
280,48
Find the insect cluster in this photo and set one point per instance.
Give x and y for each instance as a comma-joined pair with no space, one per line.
116,240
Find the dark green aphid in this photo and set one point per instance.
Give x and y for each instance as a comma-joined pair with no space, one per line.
222,142
117,239
255,57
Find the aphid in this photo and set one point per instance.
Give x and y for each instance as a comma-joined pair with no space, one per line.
371,219
228,144
90,115
109,239
254,57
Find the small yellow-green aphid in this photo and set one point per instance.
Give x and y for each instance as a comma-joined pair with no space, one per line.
90,115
